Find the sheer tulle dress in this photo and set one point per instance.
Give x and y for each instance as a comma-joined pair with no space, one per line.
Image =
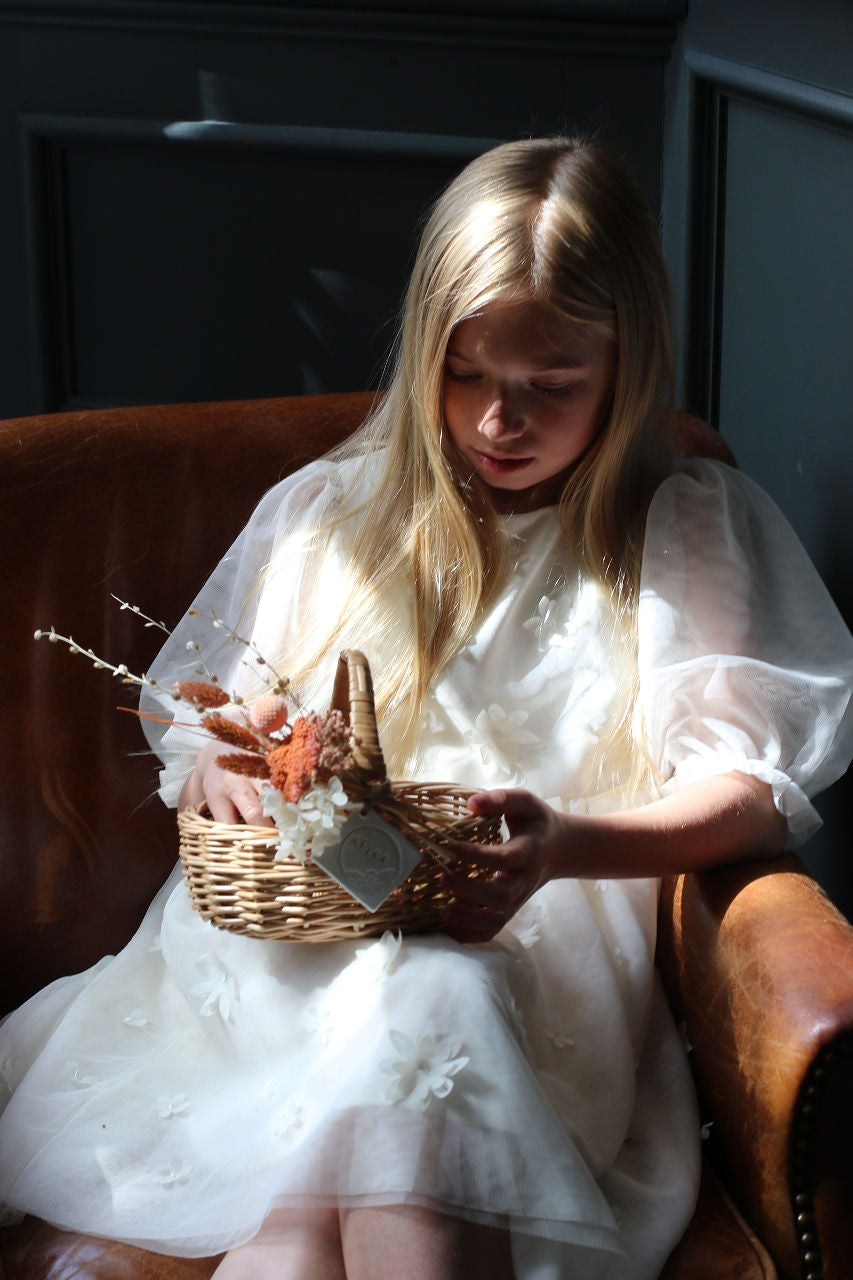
173,1094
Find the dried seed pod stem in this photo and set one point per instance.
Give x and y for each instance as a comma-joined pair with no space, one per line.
100,664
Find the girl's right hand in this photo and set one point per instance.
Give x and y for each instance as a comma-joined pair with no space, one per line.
230,797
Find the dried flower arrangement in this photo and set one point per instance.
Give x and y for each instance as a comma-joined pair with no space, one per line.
309,765
301,763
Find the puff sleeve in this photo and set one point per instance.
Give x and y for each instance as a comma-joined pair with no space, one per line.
745,663
259,589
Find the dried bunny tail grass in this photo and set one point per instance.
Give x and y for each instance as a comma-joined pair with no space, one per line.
201,693
236,735
246,766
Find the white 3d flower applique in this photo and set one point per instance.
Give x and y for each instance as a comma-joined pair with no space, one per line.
217,990
499,734
321,1022
289,1121
527,923
544,623
178,1105
78,1077
424,1070
558,1038
175,1173
9,1075
136,1018
381,957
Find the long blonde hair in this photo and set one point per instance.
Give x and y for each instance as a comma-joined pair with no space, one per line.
559,221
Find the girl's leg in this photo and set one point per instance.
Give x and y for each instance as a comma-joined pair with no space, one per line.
406,1242
292,1244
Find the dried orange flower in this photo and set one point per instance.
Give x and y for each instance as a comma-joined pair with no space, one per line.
201,693
292,764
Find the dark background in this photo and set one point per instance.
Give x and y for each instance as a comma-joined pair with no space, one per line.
214,200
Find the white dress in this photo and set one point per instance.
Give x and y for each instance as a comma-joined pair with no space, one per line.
171,1095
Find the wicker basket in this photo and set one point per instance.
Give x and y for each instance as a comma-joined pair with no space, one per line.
235,883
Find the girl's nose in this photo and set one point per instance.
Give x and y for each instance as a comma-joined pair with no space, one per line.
504,419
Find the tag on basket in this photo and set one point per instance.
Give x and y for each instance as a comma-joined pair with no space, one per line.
370,860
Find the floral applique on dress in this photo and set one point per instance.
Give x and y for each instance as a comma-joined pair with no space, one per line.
217,989
501,738
424,1069
178,1105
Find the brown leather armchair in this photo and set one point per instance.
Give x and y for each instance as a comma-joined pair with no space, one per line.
141,503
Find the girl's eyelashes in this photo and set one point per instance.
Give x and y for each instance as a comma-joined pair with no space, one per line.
457,375
562,390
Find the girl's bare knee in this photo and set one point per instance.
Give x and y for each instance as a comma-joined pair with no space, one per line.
292,1244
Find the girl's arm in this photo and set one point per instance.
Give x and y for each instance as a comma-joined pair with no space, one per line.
719,819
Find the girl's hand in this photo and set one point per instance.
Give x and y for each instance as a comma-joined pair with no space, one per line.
533,855
230,797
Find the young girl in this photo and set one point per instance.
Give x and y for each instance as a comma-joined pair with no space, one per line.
632,657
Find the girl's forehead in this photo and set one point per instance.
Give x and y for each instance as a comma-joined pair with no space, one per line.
528,331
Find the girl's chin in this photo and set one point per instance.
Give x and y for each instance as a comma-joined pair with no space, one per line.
510,499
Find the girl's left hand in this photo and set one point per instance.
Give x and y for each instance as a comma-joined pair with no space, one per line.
534,854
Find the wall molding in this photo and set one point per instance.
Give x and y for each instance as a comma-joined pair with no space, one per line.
43,139
217,133
715,82
614,28
733,78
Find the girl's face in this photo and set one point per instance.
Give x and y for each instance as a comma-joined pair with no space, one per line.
525,393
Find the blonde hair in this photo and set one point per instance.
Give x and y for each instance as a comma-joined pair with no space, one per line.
561,222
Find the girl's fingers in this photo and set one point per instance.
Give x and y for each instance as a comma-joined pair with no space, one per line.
222,810
514,802
499,893
231,797
488,804
495,857
471,924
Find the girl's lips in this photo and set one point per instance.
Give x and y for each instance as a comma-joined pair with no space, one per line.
501,464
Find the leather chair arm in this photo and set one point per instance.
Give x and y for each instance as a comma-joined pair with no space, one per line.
759,964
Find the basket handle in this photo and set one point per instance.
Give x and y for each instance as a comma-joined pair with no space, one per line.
352,693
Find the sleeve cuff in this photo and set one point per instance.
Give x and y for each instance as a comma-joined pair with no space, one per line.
791,801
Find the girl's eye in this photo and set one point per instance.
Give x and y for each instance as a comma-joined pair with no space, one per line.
456,376
555,391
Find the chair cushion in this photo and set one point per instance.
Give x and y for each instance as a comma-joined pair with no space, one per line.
718,1244
33,1250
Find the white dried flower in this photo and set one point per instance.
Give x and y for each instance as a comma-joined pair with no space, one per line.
312,824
